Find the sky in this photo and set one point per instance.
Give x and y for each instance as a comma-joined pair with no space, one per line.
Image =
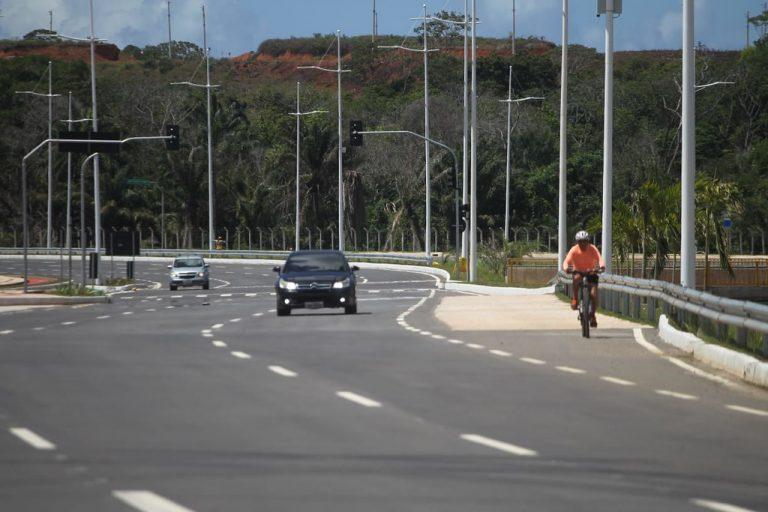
238,26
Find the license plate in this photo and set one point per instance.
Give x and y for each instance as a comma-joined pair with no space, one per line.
313,305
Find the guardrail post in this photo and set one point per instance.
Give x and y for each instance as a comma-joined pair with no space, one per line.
765,345
636,307
722,332
651,310
741,337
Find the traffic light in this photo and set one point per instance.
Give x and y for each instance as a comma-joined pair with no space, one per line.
355,137
172,130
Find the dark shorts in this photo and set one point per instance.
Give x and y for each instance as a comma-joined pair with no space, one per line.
593,278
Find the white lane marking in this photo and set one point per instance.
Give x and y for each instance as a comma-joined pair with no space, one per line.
640,338
225,295
438,337
258,314
217,326
151,310
719,506
425,333
391,299
68,323
747,410
532,360
358,399
271,310
614,380
38,329
675,394
102,317
169,307
241,355
251,294
32,439
201,296
147,501
500,353
176,296
128,312
475,346
207,335
152,297
7,331
456,342
204,331
226,283
235,320
499,445
219,343
568,369
373,291
283,371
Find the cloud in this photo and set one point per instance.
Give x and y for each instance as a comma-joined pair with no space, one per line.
670,28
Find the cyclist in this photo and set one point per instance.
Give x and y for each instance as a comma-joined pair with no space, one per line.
585,258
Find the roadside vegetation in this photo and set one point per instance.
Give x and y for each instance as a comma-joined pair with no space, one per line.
72,290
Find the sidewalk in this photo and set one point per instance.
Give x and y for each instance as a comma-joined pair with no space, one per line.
10,281
522,313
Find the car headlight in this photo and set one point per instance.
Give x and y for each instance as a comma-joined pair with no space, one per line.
287,285
201,274
174,274
341,284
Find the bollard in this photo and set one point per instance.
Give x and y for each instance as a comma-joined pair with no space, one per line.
129,269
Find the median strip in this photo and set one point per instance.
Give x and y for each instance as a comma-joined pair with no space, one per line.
499,445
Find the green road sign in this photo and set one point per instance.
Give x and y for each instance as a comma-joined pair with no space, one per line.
140,182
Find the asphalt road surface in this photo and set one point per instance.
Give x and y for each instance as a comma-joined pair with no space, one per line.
207,401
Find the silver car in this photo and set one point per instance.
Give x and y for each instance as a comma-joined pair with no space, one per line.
188,271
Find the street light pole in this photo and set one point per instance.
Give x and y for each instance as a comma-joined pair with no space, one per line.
298,115
170,55
96,186
509,101
607,237
473,155
562,234
338,72
687,211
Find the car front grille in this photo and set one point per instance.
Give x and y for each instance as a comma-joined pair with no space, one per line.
307,287
188,275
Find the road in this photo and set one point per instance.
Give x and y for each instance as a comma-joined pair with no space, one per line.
206,401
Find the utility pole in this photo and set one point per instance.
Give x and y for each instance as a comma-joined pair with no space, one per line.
427,160
514,27
562,233
339,71
170,54
298,115
95,118
465,134
611,8
375,22
473,156
50,22
687,228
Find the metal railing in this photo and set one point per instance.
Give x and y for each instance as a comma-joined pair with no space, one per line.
743,324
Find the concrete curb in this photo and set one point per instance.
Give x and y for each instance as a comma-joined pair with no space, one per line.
31,300
498,290
740,365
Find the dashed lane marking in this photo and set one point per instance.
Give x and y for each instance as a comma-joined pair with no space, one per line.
219,343
32,439
475,346
499,445
147,501
747,410
358,399
568,369
615,380
438,337
102,317
675,394
258,314
217,326
151,310
500,353
235,320
127,312
719,506
7,331
240,355
225,295
532,360
283,371
456,342
68,323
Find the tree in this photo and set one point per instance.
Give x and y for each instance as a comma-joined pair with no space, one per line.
715,200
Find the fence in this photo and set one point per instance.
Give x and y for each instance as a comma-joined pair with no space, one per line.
739,323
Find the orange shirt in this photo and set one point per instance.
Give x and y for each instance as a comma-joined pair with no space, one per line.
583,261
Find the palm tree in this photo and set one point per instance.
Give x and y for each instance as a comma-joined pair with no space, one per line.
715,200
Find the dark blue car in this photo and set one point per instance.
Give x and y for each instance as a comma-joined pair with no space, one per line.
316,279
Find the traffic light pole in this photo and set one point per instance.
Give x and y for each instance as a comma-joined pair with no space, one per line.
455,174
25,207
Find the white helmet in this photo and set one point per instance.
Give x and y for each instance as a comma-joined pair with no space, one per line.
582,235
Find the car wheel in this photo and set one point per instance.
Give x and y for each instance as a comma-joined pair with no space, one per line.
206,286
350,310
283,311
172,287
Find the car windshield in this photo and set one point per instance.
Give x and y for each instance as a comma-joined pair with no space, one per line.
188,263
316,262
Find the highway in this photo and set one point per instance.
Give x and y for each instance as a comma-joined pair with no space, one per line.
207,401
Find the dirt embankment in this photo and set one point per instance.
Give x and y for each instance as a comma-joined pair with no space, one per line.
104,52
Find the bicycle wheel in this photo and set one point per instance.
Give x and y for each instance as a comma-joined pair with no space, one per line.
584,313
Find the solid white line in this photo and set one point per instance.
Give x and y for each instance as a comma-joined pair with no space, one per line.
674,394
719,506
283,371
644,343
475,346
217,326
499,445
358,399
532,360
218,343
500,353
614,380
568,369
747,410
241,355
147,501
32,439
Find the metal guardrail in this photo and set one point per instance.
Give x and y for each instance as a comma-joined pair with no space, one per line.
647,299
411,259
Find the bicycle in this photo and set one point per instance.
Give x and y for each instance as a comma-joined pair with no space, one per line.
585,298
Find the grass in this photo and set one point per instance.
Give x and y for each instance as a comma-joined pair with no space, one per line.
68,290
119,281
